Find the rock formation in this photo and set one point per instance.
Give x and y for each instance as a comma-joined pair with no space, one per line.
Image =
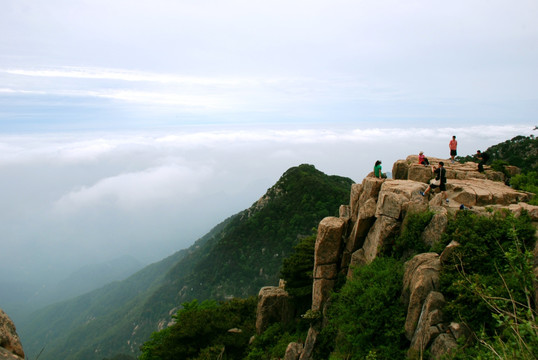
375,212
10,344
273,306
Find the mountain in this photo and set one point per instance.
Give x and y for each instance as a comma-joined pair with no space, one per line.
21,298
396,275
234,259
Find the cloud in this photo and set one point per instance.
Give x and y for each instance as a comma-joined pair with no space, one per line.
132,191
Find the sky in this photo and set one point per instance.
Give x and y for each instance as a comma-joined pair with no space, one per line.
133,127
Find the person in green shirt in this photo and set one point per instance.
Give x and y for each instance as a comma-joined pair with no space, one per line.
377,170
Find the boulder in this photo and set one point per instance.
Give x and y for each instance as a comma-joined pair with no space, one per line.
448,251
308,350
429,323
435,229
344,212
459,331
480,192
293,351
8,355
370,189
400,170
10,343
354,195
321,291
274,305
383,227
328,241
421,276
420,173
368,209
356,239
443,345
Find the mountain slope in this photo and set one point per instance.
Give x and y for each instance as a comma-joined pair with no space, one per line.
235,259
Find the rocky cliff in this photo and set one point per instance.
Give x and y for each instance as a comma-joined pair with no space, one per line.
376,211
10,344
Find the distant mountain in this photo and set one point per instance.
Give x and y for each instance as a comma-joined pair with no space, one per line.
19,298
234,259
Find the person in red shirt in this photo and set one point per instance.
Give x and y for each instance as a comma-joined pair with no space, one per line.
453,145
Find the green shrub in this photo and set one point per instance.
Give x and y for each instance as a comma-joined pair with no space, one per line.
367,315
488,283
272,343
409,243
527,182
202,330
297,270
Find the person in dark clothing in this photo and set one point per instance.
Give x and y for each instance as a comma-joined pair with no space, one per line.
440,177
483,157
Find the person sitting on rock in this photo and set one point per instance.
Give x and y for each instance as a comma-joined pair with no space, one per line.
423,159
377,170
440,177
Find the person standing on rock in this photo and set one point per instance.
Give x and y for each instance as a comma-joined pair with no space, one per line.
377,170
440,181
453,145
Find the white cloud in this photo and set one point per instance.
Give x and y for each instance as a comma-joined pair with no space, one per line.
137,190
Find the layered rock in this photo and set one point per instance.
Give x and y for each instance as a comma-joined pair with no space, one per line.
10,343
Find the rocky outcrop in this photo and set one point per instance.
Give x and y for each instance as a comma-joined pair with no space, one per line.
410,169
273,306
293,351
326,259
375,214
10,343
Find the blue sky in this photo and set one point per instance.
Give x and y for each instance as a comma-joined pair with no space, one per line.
133,127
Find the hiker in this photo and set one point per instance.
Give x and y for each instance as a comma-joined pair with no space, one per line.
440,181
423,159
483,157
453,145
377,170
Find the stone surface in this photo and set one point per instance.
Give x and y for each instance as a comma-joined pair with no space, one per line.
293,351
400,170
311,338
328,241
421,276
448,251
329,271
370,189
368,209
476,192
8,355
380,231
435,229
443,345
321,291
10,343
429,323
355,192
274,305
